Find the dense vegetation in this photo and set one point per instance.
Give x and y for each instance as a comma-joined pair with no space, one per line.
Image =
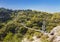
12,30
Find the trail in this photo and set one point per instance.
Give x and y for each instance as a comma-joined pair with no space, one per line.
34,29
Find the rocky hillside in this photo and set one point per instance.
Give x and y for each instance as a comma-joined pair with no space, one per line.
53,36
11,29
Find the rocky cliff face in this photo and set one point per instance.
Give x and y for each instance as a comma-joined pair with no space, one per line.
53,36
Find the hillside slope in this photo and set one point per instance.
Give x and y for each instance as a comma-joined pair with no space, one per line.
12,30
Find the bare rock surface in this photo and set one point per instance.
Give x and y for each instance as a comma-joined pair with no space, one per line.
54,36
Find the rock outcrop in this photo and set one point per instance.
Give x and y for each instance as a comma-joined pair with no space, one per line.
53,36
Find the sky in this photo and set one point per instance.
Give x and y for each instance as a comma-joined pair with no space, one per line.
39,5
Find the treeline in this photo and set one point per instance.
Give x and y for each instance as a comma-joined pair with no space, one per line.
12,30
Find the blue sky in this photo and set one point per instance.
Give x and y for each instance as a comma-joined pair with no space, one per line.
40,5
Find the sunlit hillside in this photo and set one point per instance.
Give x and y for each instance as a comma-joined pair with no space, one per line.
11,29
